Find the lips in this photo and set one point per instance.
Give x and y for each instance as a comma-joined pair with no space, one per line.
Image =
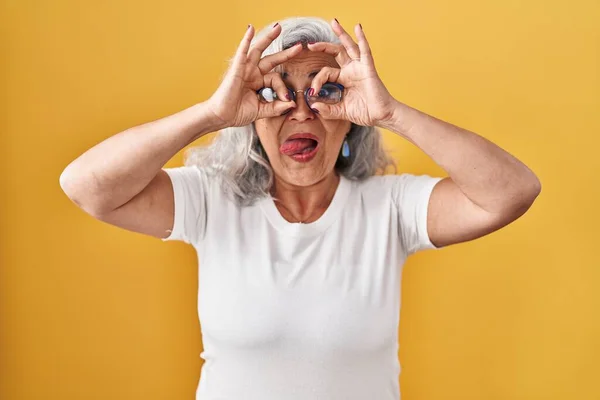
301,147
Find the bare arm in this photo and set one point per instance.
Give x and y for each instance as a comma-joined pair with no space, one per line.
120,180
487,189
124,171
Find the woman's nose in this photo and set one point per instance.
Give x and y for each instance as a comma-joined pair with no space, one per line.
302,111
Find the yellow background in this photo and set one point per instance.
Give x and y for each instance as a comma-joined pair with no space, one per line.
88,311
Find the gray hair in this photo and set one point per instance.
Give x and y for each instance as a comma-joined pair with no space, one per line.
236,156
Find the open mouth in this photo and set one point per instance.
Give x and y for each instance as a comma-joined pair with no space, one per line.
300,147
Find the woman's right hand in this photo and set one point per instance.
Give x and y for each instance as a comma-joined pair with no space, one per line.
235,102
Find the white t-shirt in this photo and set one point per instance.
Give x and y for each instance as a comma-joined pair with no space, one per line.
293,311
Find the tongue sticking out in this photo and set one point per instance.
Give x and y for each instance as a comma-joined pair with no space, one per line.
297,146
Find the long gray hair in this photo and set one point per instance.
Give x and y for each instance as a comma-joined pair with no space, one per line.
236,157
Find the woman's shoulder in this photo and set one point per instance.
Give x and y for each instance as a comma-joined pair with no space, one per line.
198,181
193,172
377,182
393,184
374,188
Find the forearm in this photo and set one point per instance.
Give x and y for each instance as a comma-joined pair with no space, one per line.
111,173
489,176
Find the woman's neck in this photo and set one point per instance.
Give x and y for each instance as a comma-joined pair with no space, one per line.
304,204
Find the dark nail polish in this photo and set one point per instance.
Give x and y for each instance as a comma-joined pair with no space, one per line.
311,91
275,26
360,25
287,96
315,110
337,20
312,42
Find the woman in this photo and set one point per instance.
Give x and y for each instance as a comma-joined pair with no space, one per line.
301,243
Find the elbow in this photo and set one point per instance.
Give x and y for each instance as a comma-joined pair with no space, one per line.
76,192
70,188
66,184
527,196
534,188
71,185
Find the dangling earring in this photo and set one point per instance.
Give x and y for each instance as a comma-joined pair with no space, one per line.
345,149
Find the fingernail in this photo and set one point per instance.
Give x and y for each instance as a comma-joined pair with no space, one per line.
248,26
311,91
360,25
275,26
337,20
312,42
315,110
287,96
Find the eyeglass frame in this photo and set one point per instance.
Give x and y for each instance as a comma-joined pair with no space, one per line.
338,85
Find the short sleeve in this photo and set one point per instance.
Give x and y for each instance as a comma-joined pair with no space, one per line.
190,191
411,194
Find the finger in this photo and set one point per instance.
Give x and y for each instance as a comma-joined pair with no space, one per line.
274,109
346,40
363,45
336,50
241,54
329,111
262,43
273,80
269,62
326,74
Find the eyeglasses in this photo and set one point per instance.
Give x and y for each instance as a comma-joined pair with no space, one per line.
330,93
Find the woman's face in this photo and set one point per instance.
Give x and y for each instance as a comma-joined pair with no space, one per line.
302,147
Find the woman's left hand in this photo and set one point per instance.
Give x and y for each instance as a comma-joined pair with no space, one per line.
366,101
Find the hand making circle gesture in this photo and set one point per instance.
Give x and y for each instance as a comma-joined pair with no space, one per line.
366,100
235,102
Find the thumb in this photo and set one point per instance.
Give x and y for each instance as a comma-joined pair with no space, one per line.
328,111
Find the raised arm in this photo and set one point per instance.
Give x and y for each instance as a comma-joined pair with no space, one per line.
121,181
487,188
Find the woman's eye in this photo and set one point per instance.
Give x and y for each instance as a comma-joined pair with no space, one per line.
329,94
268,95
